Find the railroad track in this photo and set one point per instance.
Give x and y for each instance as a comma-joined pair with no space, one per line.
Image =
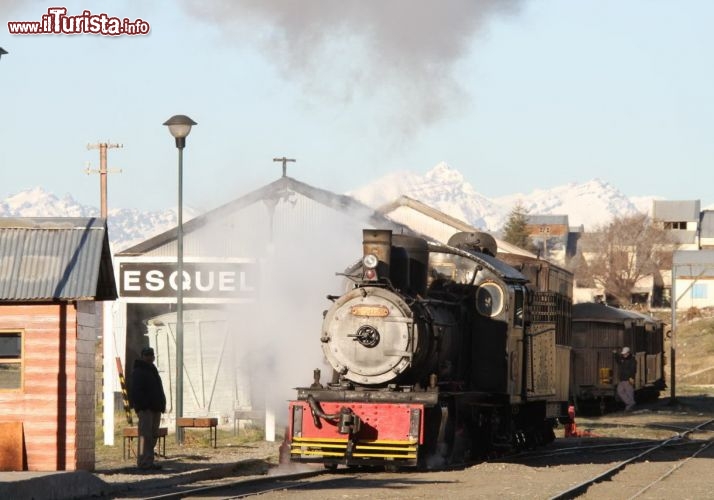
242,488
664,449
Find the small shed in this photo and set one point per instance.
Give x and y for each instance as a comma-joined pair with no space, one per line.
52,270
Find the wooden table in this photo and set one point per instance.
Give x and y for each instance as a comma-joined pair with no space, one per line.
201,422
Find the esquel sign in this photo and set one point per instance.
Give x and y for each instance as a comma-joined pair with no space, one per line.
227,280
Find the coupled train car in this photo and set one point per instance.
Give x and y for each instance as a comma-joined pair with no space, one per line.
441,354
599,333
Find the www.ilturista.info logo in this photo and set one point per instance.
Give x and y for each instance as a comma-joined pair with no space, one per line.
57,22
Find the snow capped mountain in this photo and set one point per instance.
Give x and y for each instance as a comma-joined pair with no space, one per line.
127,227
37,202
442,187
589,204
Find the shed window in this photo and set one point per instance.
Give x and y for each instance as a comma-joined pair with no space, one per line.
699,291
10,360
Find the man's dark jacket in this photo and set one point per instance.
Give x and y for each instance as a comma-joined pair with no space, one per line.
147,392
628,367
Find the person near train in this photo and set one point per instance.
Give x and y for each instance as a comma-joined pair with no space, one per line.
149,402
627,370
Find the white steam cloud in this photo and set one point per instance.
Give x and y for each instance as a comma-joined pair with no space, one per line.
406,50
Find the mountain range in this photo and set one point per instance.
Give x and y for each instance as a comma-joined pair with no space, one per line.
588,204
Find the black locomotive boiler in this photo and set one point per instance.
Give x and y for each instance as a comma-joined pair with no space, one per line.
440,354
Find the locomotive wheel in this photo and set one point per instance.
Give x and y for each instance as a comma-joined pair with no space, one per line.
330,467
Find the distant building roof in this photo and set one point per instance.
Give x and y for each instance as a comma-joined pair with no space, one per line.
676,211
706,227
602,313
693,263
452,222
57,258
536,220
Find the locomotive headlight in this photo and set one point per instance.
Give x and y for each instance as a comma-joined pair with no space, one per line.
370,261
489,299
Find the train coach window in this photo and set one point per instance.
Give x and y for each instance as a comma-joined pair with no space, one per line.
518,308
489,299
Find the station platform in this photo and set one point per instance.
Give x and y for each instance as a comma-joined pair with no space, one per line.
111,483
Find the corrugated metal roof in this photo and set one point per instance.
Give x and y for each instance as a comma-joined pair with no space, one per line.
693,263
676,211
592,311
58,258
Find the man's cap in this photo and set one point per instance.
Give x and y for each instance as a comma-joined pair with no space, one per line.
625,350
147,351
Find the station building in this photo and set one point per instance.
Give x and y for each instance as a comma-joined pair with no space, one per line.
257,272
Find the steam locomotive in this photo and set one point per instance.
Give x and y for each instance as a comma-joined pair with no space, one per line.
441,354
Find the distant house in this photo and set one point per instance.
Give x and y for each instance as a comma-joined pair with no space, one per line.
550,234
694,284
52,270
680,219
693,260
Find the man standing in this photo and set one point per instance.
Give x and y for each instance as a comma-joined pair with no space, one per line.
628,370
149,402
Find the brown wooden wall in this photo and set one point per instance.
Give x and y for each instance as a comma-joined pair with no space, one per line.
58,387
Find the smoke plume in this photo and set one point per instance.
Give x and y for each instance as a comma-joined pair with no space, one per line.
403,51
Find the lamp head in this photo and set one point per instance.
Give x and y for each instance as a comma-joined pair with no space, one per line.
180,127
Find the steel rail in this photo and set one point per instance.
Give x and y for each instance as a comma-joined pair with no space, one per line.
245,483
583,487
674,468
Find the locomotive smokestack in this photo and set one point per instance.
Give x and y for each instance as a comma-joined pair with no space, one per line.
378,242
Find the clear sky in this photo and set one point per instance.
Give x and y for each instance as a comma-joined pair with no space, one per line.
516,95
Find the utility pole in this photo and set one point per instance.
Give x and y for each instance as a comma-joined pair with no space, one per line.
105,312
285,161
102,147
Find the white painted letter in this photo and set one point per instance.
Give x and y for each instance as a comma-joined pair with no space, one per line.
131,281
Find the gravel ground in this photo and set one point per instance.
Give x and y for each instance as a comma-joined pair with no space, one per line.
248,456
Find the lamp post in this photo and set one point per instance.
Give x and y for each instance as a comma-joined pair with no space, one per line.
180,127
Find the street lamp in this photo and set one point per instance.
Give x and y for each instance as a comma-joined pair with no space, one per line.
180,127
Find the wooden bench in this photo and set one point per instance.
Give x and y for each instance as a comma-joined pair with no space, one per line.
202,422
131,433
